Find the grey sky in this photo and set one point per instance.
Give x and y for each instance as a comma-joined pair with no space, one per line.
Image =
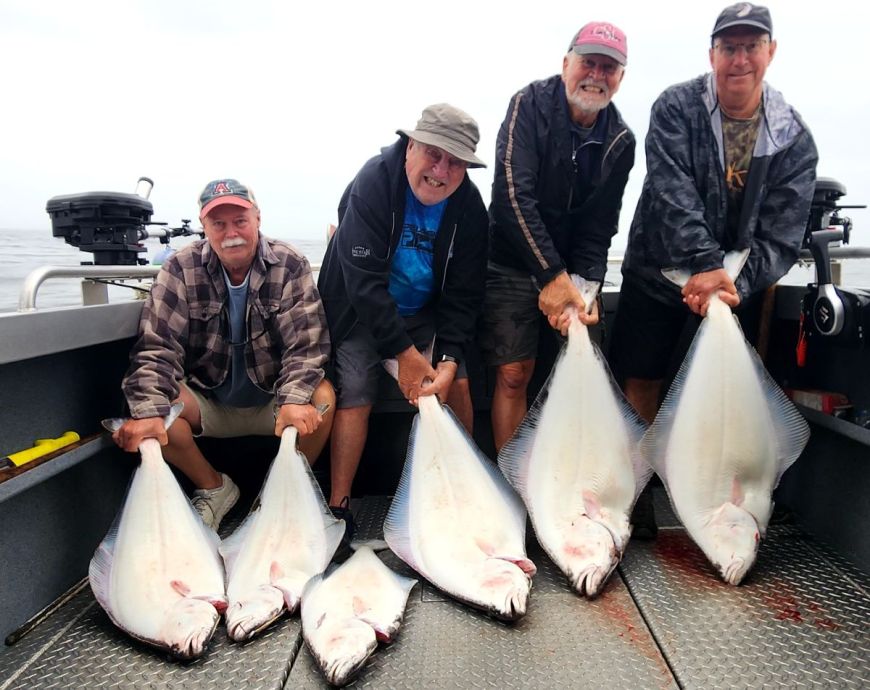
292,98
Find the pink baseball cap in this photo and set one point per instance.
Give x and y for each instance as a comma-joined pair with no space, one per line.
601,38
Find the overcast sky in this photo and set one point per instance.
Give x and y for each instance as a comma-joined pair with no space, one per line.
292,98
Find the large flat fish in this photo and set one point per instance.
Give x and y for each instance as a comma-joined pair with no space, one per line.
575,462
456,521
157,573
288,539
347,613
722,439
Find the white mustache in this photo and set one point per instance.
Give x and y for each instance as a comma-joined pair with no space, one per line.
235,242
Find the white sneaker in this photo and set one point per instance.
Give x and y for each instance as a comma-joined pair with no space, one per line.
213,504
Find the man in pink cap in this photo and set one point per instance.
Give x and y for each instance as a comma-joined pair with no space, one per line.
234,328
562,160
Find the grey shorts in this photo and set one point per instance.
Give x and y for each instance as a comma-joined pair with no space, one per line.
222,421
358,364
511,318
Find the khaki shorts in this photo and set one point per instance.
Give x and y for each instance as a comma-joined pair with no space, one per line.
221,421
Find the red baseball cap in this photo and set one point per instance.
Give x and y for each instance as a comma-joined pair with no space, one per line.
601,38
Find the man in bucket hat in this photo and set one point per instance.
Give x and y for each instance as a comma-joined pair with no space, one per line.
563,156
406,264
234,329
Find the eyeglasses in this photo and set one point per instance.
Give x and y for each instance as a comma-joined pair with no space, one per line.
608,68
730,50
435,155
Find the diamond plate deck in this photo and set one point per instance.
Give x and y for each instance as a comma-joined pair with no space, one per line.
800,620
562,642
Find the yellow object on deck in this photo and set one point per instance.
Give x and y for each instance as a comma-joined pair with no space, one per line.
42,446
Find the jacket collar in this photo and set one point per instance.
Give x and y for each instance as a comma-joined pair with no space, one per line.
264,258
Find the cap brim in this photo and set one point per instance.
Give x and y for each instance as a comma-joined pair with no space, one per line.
223,201
741,22
454,149
590,49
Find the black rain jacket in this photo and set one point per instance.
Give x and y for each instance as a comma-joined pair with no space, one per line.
533,226
354,278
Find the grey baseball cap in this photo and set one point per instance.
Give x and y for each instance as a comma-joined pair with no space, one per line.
448,128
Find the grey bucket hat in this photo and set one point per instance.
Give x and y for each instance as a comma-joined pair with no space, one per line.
448,128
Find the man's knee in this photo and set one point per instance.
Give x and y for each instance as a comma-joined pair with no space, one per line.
513,378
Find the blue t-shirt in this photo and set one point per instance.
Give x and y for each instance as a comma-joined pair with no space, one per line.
238,390
412,280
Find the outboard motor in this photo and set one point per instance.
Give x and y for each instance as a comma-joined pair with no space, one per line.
830,312
111,225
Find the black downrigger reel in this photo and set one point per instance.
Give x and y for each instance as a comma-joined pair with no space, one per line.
111,225
834,313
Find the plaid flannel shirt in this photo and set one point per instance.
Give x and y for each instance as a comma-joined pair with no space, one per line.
184,329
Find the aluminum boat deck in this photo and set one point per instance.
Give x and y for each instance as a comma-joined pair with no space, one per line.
664,620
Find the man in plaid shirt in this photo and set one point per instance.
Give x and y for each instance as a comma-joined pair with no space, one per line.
234,328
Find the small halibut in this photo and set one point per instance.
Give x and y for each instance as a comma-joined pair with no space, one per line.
157,573
456,521
289,538
346,614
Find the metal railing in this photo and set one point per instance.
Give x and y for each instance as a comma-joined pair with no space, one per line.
94,292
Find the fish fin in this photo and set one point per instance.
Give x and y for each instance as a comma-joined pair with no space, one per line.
510,495
180,587
232,545
373,544
655,440
792,430
635,426
100,571
588,289
100,568
515,456
397,523
332,526
732,262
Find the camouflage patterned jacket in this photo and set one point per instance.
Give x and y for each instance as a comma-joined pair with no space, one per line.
681,215
184,329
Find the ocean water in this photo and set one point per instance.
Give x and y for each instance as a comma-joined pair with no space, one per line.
22,251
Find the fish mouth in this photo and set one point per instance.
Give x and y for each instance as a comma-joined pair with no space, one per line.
242,627
194,644
734,572
340,672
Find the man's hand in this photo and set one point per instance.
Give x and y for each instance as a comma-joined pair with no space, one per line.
414,368
556,300
305,418
131,433
562,323
445,372
702,286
